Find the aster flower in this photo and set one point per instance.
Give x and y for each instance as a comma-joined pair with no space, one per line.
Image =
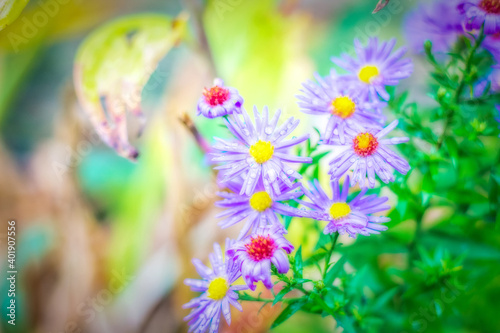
375,67
255,253
492,44
217,289
219,101
493,79
367,154
352,217
341,102
479,12
260,153
259,209
427,22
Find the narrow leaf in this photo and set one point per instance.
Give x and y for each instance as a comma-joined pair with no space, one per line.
288,312
452,147
334,271
281,294
298,263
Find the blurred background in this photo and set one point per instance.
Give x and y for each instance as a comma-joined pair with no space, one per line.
103,243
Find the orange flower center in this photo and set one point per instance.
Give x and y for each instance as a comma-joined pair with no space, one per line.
261,247
216,95
365,144
490,6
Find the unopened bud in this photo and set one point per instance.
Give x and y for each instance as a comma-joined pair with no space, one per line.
319,285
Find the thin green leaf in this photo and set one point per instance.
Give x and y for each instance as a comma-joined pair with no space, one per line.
334,271
288,312
314,259
298,266
452,146
279,296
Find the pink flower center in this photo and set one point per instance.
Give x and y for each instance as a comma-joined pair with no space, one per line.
365,144
261,247
216,95
490,6
495,36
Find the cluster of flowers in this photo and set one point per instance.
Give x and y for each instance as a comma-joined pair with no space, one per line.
254,168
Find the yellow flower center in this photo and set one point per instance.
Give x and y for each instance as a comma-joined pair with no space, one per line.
217,289
262,151
367,73
260,201
343,107
364,140
339,210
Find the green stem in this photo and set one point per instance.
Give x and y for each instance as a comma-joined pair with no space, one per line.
458,92
330,252
299,287
412,247
246,297
482,99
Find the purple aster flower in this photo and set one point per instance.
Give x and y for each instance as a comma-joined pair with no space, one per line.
478,12
260,153
217,289
255,253
492,44
259,209
427,22
493,79
341,102
219,101
353,217
375,67
367,154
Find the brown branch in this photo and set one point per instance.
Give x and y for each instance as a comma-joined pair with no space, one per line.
186,120
380,5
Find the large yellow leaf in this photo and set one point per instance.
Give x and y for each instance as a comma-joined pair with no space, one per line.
10,10
114,63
